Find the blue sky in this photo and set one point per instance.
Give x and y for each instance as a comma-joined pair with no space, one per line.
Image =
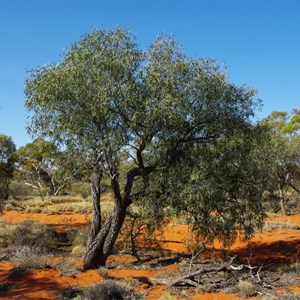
258,41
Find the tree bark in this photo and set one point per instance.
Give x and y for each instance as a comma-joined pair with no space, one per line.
102,239
282,201
100,247
96,196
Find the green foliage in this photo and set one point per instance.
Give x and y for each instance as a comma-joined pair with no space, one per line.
19,190
43,167
82,189
169,131
35,161
219,188
7,164
285,146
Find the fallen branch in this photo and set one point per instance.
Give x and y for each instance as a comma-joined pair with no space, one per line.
189,279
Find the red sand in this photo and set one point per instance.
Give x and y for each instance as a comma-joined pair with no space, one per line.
269,246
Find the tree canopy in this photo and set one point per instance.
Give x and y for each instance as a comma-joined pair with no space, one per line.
174,120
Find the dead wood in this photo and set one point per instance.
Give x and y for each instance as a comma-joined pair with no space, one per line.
189,279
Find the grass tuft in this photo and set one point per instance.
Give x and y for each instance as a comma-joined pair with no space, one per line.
246,289
108,290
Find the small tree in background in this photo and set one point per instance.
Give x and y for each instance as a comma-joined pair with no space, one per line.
285,143
35,161
7,165
154,111
43,167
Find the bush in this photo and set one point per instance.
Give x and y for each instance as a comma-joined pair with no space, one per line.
78,238
293,205
6,233
34,235
67,267
82,189
71,292
108,290
27,259
246,289
19,190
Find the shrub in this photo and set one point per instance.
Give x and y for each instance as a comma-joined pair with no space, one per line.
27,259
108,290
67,267
71,292
34,234
19,190
82,189
6,233
246,289
293,268
79,237
103,272
35,210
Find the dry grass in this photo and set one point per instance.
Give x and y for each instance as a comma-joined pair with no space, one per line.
27,259
268,297
108,290
273,225
103,272
34,235
6,233
67,267
59,204
246,289
80,208
167,296
293,268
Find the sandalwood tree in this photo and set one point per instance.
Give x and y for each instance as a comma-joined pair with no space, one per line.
152,110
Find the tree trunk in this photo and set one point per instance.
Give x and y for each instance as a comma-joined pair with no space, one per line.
102,239
57,191
100,247
282,201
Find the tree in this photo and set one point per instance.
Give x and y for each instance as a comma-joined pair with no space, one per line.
7,164
285,127
114,103
43,167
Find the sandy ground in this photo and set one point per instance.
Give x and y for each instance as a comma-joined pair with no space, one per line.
279,245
